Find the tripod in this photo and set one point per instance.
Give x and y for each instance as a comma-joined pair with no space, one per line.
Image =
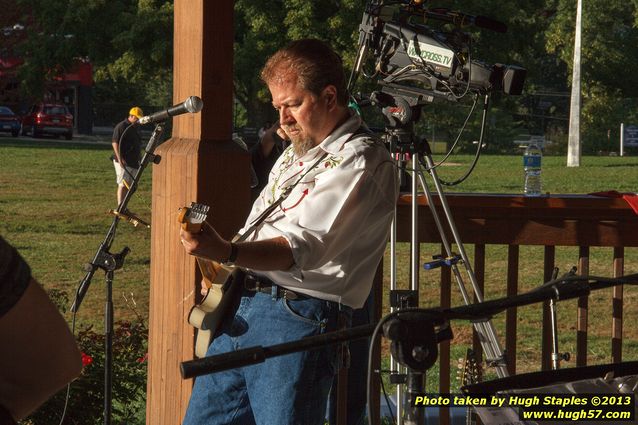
402,109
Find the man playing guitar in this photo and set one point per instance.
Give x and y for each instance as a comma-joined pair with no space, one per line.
312,259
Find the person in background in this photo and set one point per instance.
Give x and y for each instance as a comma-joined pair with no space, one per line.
38,353
314,257
127,143
263,129
265,153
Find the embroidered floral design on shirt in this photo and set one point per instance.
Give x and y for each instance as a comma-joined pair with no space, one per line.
286,175
287,161
303,195
332,161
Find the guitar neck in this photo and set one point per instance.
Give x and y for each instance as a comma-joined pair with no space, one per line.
209,269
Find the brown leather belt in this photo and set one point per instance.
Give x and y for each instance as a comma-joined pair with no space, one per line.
262,284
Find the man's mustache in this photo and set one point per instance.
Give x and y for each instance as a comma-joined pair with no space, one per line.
288,128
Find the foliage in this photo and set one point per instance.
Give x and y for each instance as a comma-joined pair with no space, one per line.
609,50
132,56
263,27
129,43
86,397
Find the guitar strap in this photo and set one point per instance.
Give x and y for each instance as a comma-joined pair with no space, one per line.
257,221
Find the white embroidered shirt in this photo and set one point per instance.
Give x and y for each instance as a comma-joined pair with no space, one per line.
337,219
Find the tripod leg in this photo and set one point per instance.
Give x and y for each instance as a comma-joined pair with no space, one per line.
486,331
395,367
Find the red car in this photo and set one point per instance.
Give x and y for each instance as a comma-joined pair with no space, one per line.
48,118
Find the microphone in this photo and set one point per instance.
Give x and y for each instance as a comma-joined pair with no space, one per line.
193,104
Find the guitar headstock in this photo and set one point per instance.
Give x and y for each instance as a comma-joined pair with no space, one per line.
470,369
192,218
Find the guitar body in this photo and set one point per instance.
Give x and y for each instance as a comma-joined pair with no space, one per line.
208,315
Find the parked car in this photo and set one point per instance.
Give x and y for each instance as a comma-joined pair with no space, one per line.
9,121
523,140
48,118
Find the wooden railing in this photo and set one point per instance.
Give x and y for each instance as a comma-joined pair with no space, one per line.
550,221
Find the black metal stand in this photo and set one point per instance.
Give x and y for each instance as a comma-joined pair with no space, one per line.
253,355
414,344
414,332
108,262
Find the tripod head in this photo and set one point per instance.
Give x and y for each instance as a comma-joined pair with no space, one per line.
415,339
401,110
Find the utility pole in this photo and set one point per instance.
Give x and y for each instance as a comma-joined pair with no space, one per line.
573,144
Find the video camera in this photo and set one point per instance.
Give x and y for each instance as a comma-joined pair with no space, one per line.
424,63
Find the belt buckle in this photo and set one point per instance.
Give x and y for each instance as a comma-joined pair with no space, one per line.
251,284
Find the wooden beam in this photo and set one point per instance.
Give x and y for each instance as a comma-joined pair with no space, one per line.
199,163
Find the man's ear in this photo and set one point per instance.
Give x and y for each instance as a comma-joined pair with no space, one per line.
330,96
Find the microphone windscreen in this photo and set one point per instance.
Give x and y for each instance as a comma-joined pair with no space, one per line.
194,104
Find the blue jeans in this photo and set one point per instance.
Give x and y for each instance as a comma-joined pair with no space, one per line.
289,389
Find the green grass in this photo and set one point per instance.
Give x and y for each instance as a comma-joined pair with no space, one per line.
54,199
54,203
504,174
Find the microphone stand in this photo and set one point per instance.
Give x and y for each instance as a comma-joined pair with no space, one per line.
258,354
109,262
414,333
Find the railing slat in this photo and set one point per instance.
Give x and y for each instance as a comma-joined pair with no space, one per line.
479,273
511,314
617,307
582,311
444,347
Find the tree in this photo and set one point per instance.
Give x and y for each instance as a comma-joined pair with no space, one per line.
609,52
128,42
262,27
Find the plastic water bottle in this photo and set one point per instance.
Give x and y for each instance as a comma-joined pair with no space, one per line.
532,159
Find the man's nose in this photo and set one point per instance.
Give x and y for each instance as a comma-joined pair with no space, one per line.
285,117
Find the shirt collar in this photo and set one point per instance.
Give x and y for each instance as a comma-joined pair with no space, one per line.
335,141
333,144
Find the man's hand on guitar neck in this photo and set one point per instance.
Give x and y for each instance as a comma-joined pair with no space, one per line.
265,255
206,244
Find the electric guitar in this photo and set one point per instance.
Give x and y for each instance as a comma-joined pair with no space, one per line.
470,373
207,316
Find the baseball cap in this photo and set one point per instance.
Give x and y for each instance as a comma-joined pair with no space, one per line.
136,111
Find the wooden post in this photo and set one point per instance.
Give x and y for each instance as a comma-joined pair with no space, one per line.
199,163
